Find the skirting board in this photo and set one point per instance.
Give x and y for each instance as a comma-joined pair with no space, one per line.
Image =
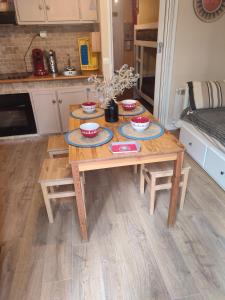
15,137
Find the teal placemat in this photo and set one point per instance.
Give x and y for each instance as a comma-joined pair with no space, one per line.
75,138
80,114
139,109
153,132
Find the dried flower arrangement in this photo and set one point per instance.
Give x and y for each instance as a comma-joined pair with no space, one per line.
108,89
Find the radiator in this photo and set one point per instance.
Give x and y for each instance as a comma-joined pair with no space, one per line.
180,102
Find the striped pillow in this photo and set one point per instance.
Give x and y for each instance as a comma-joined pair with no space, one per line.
206,94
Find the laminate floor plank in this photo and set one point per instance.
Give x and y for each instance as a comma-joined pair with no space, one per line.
87,282
192,297
172,265
130,255
27,285
203,249
57,290
140,273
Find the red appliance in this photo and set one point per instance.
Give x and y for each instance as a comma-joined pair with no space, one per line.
38,62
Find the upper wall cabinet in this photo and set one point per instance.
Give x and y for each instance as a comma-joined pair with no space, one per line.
88,10
66,10
30,11
55,11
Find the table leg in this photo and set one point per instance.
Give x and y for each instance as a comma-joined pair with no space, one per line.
79,189
175,188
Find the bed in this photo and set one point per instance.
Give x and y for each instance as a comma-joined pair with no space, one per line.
145,49
203,127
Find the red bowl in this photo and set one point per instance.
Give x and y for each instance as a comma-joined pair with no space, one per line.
88,103
140,119
129,104
140,123
89,130
89,107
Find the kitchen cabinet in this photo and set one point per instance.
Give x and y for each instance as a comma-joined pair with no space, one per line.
30,11
51,107
55,11
46,111
66,98
66,10
88,10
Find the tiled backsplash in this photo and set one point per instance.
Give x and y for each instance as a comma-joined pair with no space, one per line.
14,41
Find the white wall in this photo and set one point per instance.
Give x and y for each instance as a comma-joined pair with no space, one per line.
199,50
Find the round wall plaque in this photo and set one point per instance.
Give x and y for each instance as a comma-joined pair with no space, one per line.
209,10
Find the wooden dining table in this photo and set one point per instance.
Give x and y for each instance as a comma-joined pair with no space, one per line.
165,148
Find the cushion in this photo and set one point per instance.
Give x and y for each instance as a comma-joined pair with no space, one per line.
206,94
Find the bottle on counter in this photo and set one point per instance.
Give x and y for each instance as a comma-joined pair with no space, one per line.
52,63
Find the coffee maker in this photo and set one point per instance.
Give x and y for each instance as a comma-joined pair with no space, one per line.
38,62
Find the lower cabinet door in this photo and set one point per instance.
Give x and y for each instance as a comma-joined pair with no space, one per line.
46,112
66,98
215,167
193,146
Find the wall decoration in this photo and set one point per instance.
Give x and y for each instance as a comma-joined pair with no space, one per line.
209,10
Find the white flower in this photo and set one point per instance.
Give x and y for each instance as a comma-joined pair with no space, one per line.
109,89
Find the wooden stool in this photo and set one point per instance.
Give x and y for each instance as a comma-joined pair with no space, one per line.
55,172
57,146
152,172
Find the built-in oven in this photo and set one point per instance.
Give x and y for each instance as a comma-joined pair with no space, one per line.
16,115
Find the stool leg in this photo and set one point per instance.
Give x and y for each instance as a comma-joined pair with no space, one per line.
47,202
142,180
51,189
183,189
51,155
152,194
83,178
135,169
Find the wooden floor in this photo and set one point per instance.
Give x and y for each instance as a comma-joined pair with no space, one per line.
130,255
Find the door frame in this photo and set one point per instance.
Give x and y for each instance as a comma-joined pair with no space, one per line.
168,11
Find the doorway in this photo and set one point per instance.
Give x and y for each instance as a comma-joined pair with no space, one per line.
135,31
168,10
123,20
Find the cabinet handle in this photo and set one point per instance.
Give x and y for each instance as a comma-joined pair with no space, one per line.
222,172
47,7
60,101
40,7
190,143
53,101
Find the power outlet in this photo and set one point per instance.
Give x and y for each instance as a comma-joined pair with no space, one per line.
43,34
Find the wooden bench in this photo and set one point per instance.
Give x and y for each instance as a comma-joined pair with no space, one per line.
57,146
151,174
55,172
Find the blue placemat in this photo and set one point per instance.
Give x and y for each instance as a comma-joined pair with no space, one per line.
80,114
139,109
153,132
76,139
